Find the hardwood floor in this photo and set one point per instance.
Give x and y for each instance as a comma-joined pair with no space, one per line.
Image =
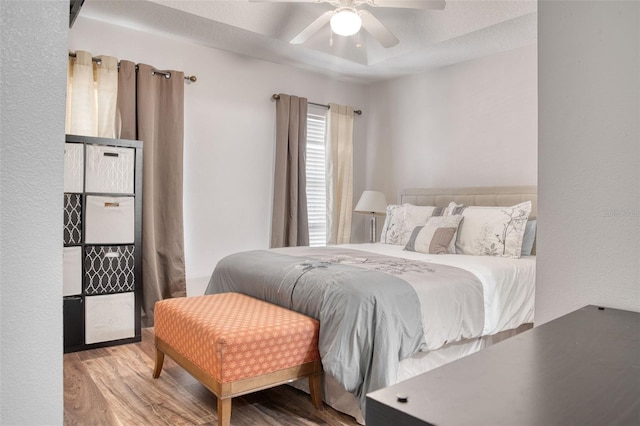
113,386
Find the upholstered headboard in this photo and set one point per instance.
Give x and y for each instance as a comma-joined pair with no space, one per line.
472,196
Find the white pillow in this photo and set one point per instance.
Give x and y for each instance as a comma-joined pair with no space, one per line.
401,220
493,231
435,236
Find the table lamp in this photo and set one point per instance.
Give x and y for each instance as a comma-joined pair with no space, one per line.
372,202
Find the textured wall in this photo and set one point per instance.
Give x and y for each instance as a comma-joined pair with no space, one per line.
33,75
589,156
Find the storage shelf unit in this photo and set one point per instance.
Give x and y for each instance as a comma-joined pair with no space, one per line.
102,265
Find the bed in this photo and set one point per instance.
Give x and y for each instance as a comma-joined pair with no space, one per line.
391,310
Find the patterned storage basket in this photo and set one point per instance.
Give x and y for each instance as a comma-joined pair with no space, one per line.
72,219
108,269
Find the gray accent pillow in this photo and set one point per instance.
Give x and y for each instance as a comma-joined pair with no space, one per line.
529,237
435,236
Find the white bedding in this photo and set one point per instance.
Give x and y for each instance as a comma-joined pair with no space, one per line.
508,285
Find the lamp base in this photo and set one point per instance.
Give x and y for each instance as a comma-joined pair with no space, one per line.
372,228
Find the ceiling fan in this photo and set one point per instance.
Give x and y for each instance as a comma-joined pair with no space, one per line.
347,19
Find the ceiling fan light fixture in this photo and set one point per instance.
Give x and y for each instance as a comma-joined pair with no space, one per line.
346,22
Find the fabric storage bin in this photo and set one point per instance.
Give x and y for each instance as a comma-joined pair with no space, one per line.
108,269
109,317
73,167
72,219
110,169
109,220
71,271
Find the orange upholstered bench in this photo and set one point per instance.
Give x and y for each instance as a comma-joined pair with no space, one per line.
236,344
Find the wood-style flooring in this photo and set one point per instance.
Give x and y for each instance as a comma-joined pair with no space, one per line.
113,386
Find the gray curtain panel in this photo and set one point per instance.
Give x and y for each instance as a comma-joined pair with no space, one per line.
290,225
152,110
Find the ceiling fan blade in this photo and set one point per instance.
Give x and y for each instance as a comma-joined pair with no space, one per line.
320,22
377,30
409,4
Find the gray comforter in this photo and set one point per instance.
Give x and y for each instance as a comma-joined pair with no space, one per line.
370,318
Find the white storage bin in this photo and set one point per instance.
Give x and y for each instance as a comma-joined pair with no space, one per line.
109,220
109,317
71,271
110,169
73,167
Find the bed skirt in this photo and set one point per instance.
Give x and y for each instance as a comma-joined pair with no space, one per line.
337,397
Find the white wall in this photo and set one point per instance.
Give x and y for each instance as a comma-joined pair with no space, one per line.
589,156
33,79
469,124
229,136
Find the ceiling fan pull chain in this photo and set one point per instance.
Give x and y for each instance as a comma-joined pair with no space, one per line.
330,36
359,43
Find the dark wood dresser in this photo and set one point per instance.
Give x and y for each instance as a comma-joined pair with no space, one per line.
580,369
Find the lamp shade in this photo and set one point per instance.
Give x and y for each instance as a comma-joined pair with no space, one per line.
371,202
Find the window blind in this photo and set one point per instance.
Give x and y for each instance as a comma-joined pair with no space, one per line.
316,179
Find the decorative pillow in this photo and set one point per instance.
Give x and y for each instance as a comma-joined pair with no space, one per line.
529,237
453,209
391,220
401,220
439,211
435,236
493,231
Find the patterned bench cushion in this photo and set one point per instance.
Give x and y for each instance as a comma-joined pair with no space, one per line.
231,336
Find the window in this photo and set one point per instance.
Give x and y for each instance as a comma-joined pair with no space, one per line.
316,178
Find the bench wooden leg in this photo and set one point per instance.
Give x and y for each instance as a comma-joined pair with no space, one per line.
224,411
315,387
159,361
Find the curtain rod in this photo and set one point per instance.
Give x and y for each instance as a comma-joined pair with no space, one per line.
167,74
275,97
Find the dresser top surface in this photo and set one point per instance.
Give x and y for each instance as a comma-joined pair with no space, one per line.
580,369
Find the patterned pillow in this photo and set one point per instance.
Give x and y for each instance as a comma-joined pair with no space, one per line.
493,231
435,236
401,220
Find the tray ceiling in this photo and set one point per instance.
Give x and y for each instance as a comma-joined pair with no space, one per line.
464,30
